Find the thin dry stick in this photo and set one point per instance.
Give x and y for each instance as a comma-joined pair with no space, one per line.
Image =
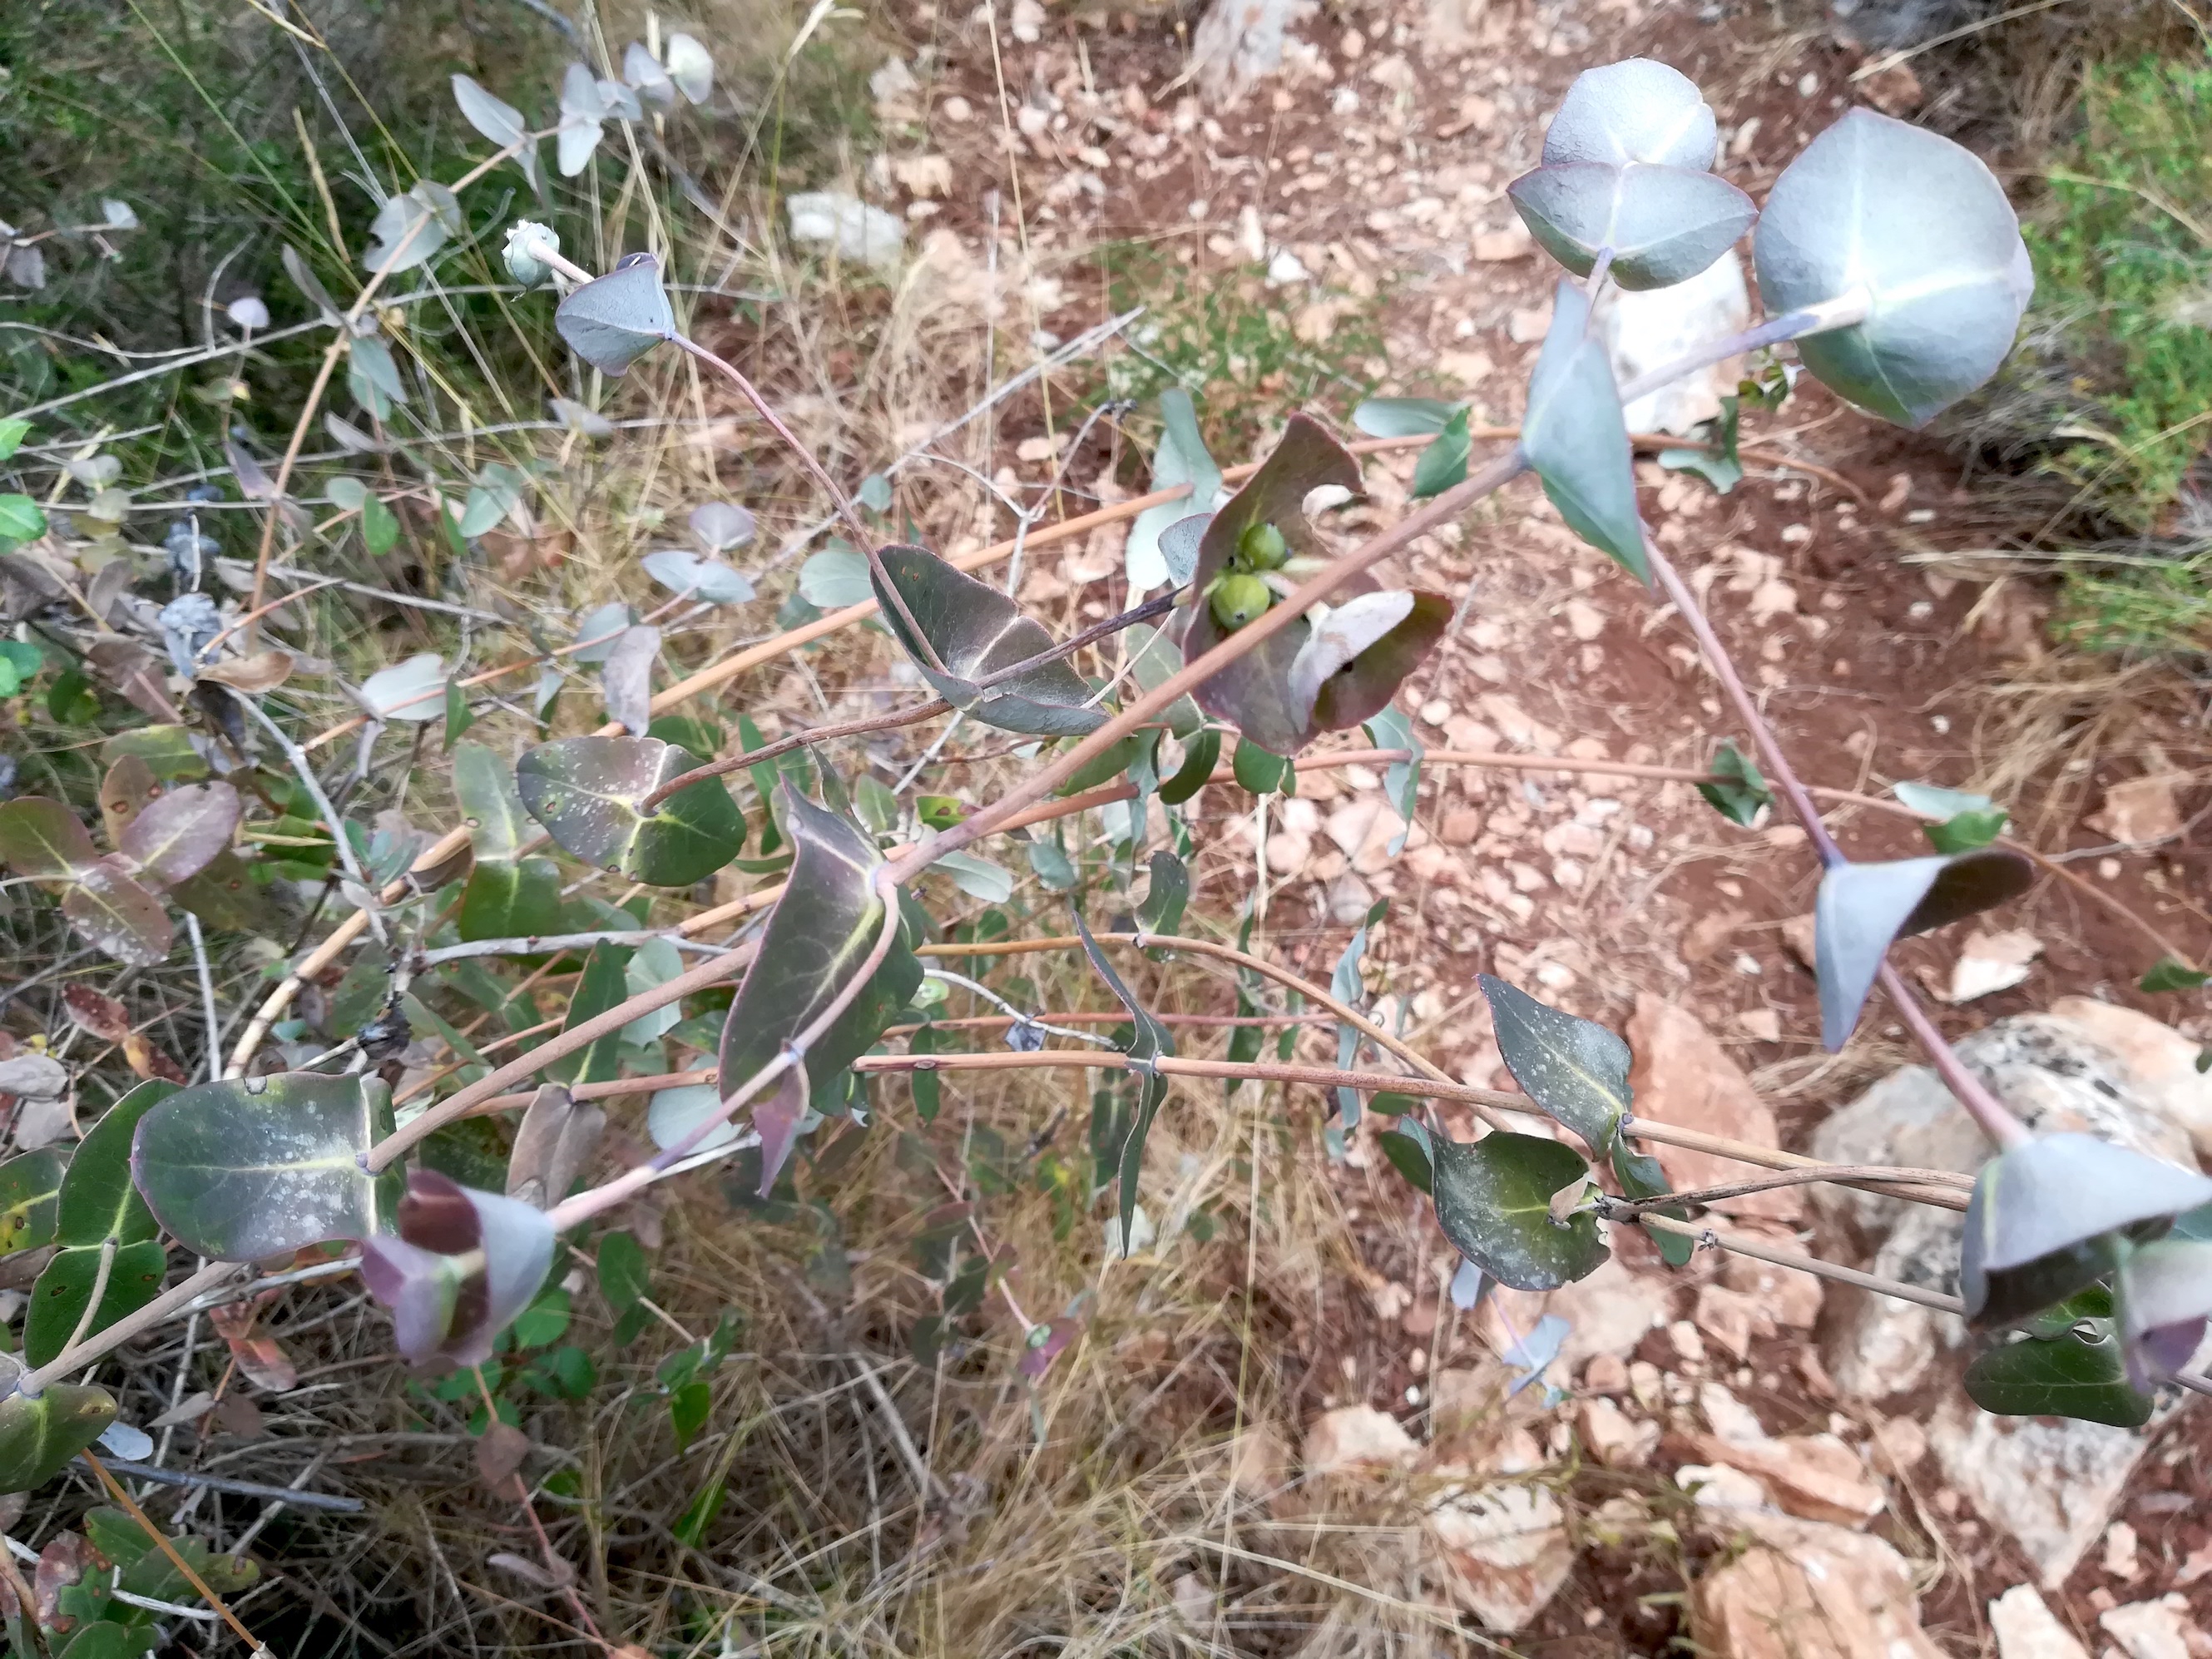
115,1490
1803,1264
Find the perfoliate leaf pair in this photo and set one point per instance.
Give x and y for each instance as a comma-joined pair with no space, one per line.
615,319
1862,908
460,1267
165,840
1305,678
975,631
590,794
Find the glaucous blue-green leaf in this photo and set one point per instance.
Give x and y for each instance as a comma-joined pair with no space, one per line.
98,1201
247,1168
691,66
1154,658
2047,1217
1358,653
1641,1175
118,916
1861,908
1150,1040
673,1114
1254,693
178,833
412,690
1388,727
30,1190
613,320
721,526
496,492
681,571
835,578
373,376
1574,437
1493,1198
1180,458
2079,1374
598,633
824,927
589,792
1664,224
507,895
1920,229
978,877
1932,800
582,109
976,631
1404,418
626,678
498,121
555,1140
1636,109
42,839
63,1291
1574,1068
2165,1300
410,228
1740,793
40,1436
460,1266
654,961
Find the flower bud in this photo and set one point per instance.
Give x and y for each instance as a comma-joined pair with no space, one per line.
522,261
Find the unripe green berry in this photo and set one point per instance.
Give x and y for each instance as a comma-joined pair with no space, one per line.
1261,547
1237,598
522,261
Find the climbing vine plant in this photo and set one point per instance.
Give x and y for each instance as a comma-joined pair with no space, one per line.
1888,260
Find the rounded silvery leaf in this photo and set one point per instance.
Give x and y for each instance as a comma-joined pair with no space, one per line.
408,229
248,311
577,418
620,101
685,573
719,525
642,70
1919,229
1664,224
1637,110
581,108
615,319
691,67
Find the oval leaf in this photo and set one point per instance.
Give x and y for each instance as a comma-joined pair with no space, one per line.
1575,439
30,1191
42,838
587,793
673,1114
975,631
1354,661
691,66
2072,1376
1918,225
1574,1068
1663,224
39,1436
1403,417
1863,907
1180,458
682,571
63,1291
118,916
720,526
1636,109
1493,1200
177,834
613,321
411,690
98,1201
499,122
244,1168
825,924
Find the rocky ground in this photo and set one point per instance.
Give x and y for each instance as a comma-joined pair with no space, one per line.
1733,1451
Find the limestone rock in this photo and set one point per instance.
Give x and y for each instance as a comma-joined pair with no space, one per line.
1816,1476
1683,1077
1804,1590
2026,1629
1508,1550
2158,1060
1718,1486
1613,1437
1784,1296
2150,1630
2139,810
1644,330
2050,1482
1356,1438
857,230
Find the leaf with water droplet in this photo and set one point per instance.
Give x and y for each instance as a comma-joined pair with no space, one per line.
589,794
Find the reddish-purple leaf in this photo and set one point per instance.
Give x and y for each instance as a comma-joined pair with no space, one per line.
42,838
177,833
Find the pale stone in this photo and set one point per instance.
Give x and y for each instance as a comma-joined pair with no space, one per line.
2049,1482
1805,1590
1607,1373
1719,1486
2141,810
2158,1060
1783,1295
1584,620
2150,1630
1816,1476
1509,1547
1991,962
2120,1552
1727,1316
1356,1438
1683,1077
1514,242
1461,827
2026,1629
1259,1462
1608,1312
1644,330
857,230
1613,1437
